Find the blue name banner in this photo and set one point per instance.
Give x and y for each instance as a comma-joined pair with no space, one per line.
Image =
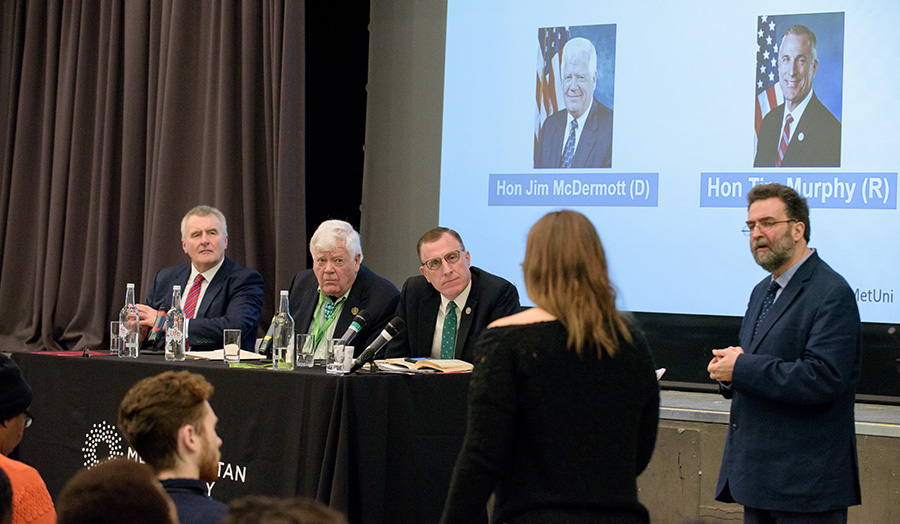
822,190
586,189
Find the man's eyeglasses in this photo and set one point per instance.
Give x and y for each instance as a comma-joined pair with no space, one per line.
451,258
764,225
28,419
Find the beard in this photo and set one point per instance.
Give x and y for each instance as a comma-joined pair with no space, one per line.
209,463
780,251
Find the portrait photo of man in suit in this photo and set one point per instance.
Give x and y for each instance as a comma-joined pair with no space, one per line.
580,134
801,131
790,451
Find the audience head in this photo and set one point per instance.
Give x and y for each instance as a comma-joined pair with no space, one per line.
6,499
337,254
444,261
114,492
167,419
15,397
266,510
566,274
204,236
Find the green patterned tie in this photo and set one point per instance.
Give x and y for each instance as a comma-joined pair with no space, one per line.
448,337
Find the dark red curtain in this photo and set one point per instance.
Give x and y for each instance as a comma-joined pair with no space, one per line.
116,117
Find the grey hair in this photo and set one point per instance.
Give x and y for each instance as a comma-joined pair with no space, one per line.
203,211
802,30
579,45
330,232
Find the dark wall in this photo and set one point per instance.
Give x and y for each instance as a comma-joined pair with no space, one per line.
683,343
337,57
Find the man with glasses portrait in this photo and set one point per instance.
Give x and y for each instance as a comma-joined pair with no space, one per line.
450,303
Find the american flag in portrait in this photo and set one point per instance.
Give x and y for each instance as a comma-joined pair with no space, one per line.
549,94
768,90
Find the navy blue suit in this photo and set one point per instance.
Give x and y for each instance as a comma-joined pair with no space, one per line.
594,147
490,298
791,443
820,145
233,300
370,292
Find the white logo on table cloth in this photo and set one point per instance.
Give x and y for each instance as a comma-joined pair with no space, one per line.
105,437
102,433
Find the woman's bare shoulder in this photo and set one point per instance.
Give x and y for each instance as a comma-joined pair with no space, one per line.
529,316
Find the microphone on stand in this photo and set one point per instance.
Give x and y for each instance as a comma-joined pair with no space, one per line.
159,324
390,331
359,322
265,347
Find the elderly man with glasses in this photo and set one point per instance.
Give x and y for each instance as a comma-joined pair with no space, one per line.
31,500
450,303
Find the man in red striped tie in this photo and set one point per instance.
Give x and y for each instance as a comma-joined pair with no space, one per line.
217,292
801,132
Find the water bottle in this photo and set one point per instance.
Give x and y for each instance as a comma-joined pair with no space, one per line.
175,327
283,336
129,326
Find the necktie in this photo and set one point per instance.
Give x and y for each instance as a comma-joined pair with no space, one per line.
566,160
767,305
785,135
329,308
190,304
448,336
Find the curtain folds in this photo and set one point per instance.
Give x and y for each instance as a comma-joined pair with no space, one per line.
116,117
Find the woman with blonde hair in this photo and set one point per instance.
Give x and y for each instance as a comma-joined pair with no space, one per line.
563,401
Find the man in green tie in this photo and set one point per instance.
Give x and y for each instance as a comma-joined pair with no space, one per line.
446,307
325,299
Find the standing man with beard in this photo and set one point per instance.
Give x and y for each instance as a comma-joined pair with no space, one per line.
790,453
167,419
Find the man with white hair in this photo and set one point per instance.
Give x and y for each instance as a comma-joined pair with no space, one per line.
581,134
325,299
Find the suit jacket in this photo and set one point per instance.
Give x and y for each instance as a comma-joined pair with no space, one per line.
791,443
594,148
370,292
490,298
816,141
233,300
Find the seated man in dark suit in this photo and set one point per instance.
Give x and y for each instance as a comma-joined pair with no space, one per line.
581,134
217,292
325,299
450,303
801,132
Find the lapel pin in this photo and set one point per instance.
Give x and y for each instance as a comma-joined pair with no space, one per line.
354,311
800,137
468,311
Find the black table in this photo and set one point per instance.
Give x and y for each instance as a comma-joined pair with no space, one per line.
379,447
